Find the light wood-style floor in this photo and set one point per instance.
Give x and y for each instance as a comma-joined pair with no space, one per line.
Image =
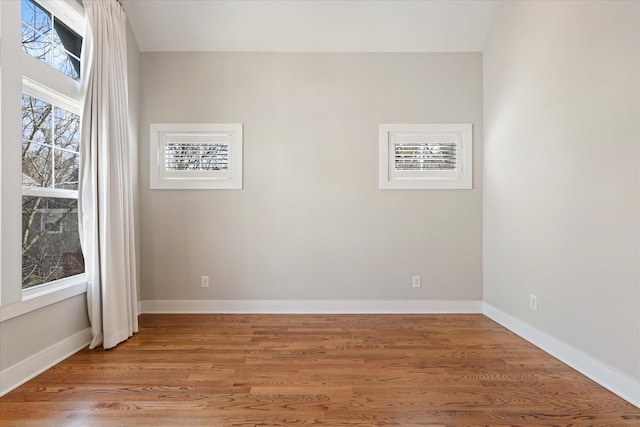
322,370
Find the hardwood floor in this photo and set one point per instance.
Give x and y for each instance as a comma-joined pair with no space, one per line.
323,370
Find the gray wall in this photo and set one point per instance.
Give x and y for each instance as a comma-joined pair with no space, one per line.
561,182
311,222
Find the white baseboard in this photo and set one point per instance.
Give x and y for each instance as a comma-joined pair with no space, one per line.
621,384
18,374
310,306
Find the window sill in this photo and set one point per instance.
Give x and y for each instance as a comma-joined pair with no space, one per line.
42,296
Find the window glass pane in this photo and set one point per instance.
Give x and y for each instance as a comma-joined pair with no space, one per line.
67,143
67,50
36,31
66,129
50,240
36,164
36,44
61,61
36,120
35,17
66,166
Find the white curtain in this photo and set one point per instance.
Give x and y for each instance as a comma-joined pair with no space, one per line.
106,185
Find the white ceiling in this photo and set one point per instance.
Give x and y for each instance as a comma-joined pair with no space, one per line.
311,25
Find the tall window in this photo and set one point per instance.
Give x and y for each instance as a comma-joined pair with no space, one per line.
50,153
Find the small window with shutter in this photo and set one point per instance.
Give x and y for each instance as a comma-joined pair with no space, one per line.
196,156
425,156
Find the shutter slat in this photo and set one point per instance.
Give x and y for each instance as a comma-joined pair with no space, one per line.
196,157
428,156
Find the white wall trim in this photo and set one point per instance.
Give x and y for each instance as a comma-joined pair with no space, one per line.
311,306
18,374
617,382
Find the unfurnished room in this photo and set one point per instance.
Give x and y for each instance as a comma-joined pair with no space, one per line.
319,212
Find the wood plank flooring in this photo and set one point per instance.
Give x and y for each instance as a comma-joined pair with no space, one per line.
321,370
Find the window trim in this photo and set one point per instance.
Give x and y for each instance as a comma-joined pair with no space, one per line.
161,179
59,193
460,178
51,95
49,293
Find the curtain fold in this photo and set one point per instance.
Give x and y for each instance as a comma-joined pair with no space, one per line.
106,184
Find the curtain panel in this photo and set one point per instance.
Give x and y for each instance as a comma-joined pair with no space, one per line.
106,185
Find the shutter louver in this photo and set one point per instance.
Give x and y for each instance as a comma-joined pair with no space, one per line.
425,156
196,157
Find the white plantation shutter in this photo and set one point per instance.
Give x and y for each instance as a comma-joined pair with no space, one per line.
196,156
425,156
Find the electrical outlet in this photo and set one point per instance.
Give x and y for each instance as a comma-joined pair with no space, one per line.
204,281
416,282
533,302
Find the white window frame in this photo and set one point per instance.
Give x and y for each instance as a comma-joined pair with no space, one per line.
56,99
461,177
229,134
22,73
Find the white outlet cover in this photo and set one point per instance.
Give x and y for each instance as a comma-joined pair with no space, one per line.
204,281
416,282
